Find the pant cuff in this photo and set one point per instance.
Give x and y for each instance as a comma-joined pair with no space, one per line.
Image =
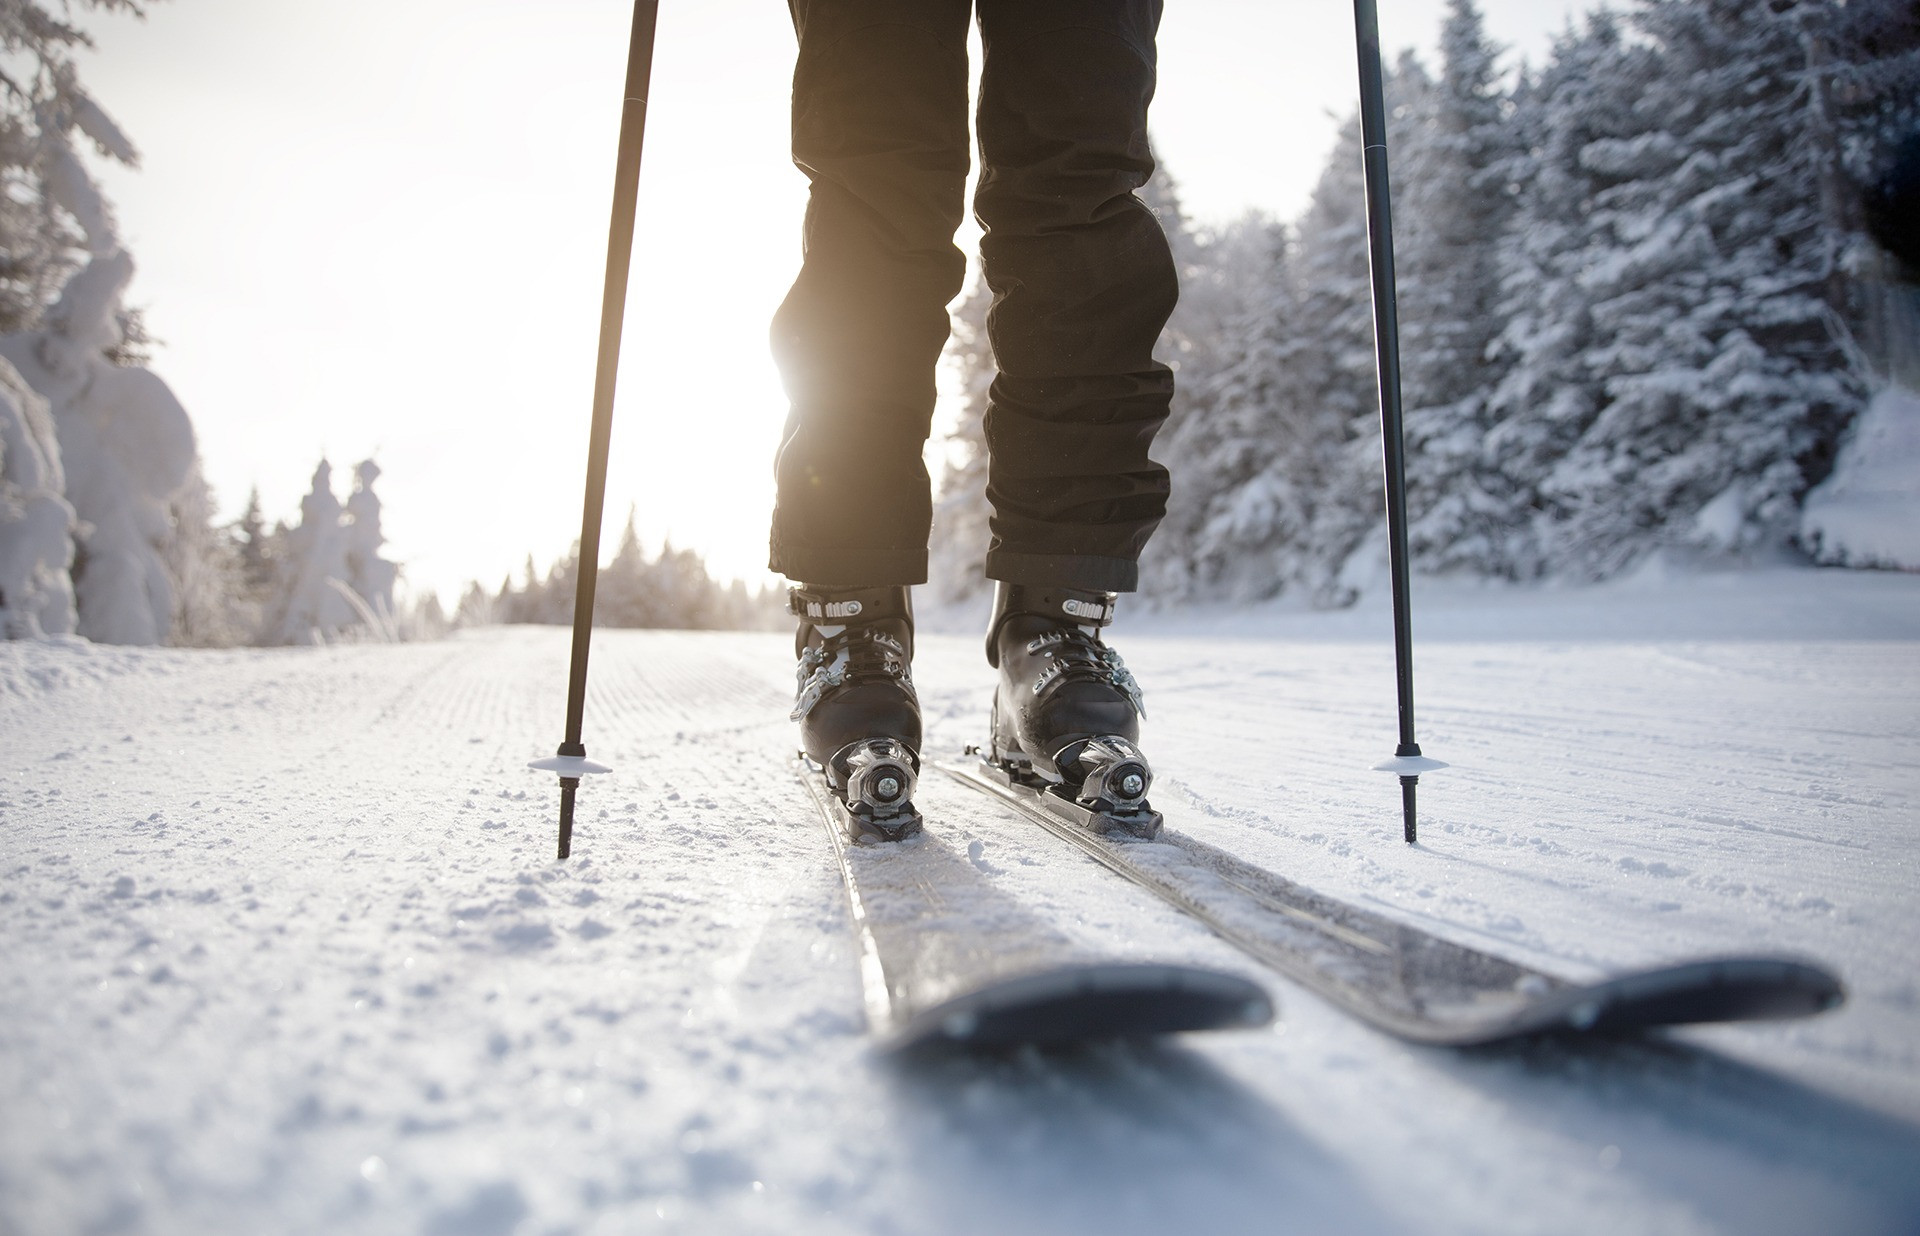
834,566
1082,571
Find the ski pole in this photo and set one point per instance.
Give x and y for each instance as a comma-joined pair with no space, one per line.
1407,762
571,760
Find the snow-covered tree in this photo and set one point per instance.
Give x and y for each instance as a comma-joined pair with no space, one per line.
1456,166
1547,393
1223,272
370,576
127,447
1279,484
1724,374
307,608
626,593
476,608
36,520
50,212
259,548
212,604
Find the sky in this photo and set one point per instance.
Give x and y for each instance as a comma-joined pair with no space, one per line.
378,228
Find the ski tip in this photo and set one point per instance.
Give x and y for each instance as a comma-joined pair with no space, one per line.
1089,1003
568,765
1409,765
1715,990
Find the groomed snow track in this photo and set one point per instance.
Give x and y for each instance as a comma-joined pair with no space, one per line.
287,950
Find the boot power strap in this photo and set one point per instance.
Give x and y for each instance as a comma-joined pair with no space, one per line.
831,606
1082,609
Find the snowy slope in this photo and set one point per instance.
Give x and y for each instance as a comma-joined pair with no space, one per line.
287,950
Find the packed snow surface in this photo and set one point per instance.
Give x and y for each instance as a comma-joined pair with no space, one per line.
287,949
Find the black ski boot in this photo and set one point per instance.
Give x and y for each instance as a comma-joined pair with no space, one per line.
1066,715
859,718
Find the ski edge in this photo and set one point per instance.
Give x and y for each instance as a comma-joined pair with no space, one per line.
877,998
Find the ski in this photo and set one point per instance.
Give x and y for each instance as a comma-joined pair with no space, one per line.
947,958
1408,982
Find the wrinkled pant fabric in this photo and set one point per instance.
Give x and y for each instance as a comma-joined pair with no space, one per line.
1080,271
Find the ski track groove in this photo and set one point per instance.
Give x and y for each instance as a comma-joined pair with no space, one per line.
279,915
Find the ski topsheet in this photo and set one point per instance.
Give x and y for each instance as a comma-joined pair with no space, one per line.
1406,981
945,957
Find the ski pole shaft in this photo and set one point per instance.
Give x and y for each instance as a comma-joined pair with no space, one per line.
1386,346
613,308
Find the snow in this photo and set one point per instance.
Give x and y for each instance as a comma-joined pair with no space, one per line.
1867,513
288,950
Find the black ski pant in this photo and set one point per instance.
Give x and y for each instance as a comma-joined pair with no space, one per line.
1081,277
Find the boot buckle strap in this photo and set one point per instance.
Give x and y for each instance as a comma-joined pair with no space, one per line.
828,606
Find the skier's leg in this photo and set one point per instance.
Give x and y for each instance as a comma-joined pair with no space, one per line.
880,129
1083,284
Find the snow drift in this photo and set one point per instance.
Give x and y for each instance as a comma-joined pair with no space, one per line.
1867,513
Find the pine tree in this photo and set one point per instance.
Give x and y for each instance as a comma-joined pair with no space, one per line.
1230,449
212,607
476,607
257,550
1456,167
1227,278
49,210
624,594
1725,378
1548,394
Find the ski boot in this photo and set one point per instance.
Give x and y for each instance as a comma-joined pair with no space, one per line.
859,718
1066,715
